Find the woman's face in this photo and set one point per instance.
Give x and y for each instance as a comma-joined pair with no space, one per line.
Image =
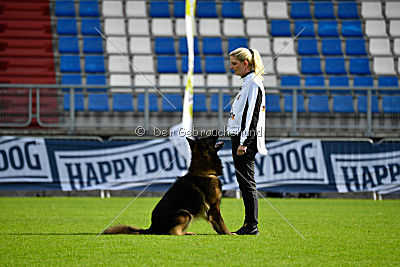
240,68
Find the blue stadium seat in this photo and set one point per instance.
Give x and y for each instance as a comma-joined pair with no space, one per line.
300,10
215,64
66,27
355,47
315,81
159,9
311,65
65,8
351,28
226,99
288,105
212,46
324,10
272,103
307,25
199,102
153,102
391,104
94,64
70,63
71,79
231,9
363,81
78,102
93,45
280,28
89,9
359,66
388,81
343,104
335,65
68,44
183,48
307,47
290,81
179,9
172,102
164,45
166,64
237,42
362,104
98,102
339,81
197,64
88,26
318,103
347,10
206,10
96,80
122,102
331,47
328,28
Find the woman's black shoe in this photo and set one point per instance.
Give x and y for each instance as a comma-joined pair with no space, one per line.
248,230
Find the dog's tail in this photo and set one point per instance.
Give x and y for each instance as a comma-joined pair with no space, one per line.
125,229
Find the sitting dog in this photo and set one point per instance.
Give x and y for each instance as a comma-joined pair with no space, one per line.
197,194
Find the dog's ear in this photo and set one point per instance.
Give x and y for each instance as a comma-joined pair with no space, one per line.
219,145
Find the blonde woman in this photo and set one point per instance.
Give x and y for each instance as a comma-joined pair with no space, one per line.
246,127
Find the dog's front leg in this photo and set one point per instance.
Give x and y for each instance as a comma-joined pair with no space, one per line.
214,216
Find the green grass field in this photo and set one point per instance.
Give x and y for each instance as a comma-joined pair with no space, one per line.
62,231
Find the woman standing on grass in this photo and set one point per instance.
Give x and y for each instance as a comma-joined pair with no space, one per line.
246,127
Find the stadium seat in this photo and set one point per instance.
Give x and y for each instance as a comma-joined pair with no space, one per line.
117,45
324,10
315,81
136,9
307,47
122,102
288,103
98,102
92,45
351,28
198,79
199,103
363,81
270,81
287,65
375,28
89,26
138,26
112,8
318,103
234,43
306,27
269,64
212,46
183,48
118,64
162,27
88,9
371,10
78,102
209,27
343,104
180,28
283,46
217,80
300,10
169,80
68,44
362,104
331,47
257,27
253,9
280,28
66,27
96,80
120,80
143,64
231,9
197,64
392,10
379,47
272,103
394,28
226,99
359,66
311,65
215,64
94,64
396,47
335,65
391,104
70,63
167,64
206,9
328,28
179,9
277,10
64,8
233,27
355,47
144,80
263,45
164,45
172,102
140,45
290,81
153,102
339,81
159,9
347,10
71,79
114,26
388,81
384,66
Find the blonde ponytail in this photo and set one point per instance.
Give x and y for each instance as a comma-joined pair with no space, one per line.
253,58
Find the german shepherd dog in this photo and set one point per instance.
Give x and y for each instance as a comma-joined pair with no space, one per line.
197,194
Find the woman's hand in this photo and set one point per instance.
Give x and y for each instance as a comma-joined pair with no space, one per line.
241,150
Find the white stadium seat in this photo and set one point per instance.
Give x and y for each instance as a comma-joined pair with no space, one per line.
217,80
119,42
285,44
120,80
261,44
233,27
161,27
253,9
139,80
197,78
236,81
396,47
287,65
384,66
112,8
114,27
268,64
270,81
135,9
392,10
180,28
169,80
375,28
277,10
256,27
371,10
394,28
118,64
144,64
138,27
209,27
140,45
379,46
